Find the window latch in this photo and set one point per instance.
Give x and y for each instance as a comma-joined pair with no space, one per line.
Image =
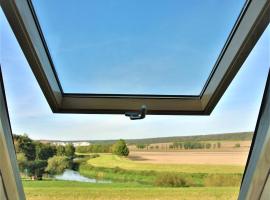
137,115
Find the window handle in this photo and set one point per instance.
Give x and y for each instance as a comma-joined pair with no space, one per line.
137,115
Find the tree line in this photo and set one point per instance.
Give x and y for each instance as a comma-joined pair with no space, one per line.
35,158
119,148
182,145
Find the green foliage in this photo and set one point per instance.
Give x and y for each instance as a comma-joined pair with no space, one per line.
36,168
172,180
237,145
208,145
57,164
44,151
120,148
94,148
21,160
23,144
69,150
140,146
159,178
60,150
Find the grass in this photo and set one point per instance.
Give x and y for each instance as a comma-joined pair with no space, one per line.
120,169
112,161
65,190
141,181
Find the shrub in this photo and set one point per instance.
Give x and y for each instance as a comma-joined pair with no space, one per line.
120,148
172,180
237,145
57,164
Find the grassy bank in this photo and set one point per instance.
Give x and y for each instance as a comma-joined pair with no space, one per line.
65,190
160,178
119,169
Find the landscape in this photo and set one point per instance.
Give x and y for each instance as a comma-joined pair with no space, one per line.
184,167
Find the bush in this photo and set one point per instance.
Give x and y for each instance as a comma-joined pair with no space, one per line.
57,164
172,180
237,145
120,148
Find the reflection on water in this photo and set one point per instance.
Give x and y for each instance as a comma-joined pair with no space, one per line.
70,175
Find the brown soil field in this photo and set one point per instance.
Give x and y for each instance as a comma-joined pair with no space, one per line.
192,157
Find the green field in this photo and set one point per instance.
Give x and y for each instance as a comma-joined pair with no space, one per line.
112,161
137,181
65,190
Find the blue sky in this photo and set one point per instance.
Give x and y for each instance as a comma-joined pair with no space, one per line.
136,46
30,113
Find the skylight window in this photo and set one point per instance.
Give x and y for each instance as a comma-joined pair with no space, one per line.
122,57
135,47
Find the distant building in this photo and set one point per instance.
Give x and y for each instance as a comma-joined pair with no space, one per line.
76,144
64,143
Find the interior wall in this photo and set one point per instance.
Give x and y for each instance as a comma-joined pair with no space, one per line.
2,189
266,190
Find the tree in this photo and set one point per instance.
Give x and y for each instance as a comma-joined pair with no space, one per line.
44,151
23,144
140,146
69,150
120,148
57,164
21,160
36,168
60,150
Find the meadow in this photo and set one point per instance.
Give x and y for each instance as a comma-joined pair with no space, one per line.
66,190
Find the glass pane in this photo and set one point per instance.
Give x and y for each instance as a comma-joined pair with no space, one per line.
136,46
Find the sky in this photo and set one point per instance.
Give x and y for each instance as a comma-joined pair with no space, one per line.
135,47
29,112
